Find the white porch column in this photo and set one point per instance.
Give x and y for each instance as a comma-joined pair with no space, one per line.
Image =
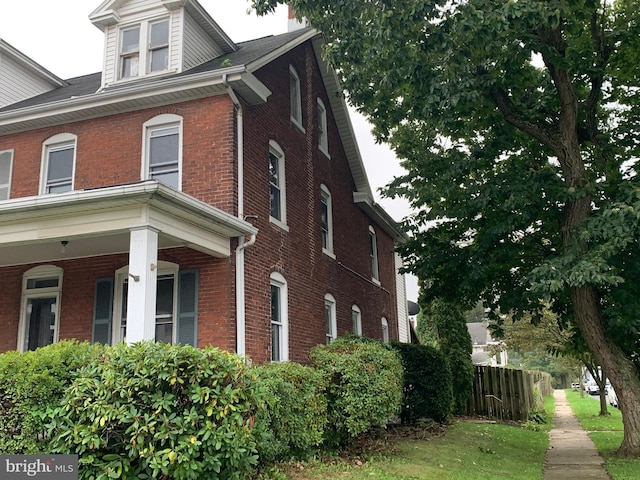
143,277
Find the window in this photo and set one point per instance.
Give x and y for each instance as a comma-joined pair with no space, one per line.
323,144
279,320
277,185
330,318
385,330
295,98
373,253
40,303
162,152
6,166
135,61
58,164
326,220
356,320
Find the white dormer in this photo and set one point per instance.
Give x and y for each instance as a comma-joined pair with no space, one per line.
145,38
21,77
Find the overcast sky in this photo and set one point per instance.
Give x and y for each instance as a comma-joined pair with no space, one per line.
58,35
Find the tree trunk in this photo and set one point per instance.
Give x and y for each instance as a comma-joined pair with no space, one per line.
622,372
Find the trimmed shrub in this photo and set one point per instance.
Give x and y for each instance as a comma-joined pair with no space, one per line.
292,420
158,411
364,386
31,382
427,391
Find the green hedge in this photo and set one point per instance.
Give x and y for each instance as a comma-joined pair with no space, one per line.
152,410
364,386
292,420
427,391
30,383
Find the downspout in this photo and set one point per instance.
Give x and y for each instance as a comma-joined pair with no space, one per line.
242,244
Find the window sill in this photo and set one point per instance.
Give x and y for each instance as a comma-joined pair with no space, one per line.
279,224
329,253
376,281
297,124
325,152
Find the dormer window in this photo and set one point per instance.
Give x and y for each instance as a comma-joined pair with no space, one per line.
153,58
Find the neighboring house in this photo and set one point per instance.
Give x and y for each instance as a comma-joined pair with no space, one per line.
486,349
196,191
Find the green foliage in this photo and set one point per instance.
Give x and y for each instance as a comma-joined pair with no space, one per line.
364,385
427,390
426,330
152,410
31,382
293,418
454,341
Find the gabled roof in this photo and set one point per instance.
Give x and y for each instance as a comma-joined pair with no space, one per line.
30,65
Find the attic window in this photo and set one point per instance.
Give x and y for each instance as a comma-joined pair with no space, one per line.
136,61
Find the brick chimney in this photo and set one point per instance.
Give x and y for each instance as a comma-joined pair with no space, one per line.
293,23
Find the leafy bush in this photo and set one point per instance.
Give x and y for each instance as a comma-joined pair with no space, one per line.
31,382
152,410
295,412
364,386
427,391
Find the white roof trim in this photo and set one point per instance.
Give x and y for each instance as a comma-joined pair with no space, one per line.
31,65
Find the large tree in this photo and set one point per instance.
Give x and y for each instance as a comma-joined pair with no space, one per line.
518,123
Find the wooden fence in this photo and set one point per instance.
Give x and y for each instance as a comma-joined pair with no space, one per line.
507,394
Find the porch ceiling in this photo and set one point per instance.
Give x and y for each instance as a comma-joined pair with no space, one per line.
97,222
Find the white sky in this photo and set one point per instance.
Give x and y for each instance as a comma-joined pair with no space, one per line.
58,35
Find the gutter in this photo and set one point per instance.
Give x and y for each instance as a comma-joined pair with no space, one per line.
242,243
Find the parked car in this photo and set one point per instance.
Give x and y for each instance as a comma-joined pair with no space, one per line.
592,388
575,386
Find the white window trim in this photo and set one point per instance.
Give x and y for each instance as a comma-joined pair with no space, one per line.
144,50
8,184
330,301
385,330
355,310
279,281
293,75
41,271
278,152
56,140
160,121
326,194
164,268
375,266
323,134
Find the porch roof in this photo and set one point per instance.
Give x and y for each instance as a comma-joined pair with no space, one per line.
97,222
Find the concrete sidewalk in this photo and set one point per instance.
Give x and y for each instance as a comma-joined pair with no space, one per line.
571,454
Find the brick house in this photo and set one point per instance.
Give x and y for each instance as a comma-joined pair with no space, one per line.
195,191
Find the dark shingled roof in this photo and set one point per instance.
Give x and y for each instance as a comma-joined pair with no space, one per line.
247,52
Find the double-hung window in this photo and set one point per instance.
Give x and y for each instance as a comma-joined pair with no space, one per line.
58,164
277,185
326,220
330,318
373,254
279,319
295,97
144,48
323,142
385,330
163,150
356,320
6,166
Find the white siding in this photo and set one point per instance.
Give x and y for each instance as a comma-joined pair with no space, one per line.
401,296
111,56
198,47
17,83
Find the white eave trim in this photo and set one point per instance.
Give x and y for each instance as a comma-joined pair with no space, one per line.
271,56
379,215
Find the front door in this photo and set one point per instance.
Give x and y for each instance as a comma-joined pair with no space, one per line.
41,318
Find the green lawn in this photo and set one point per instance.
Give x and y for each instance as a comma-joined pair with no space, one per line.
466,450
606,433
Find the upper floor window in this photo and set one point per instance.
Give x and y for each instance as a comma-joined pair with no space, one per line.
330,318
162,152
154,57
279,318
58,164
295,97
277,186
373,253
356,320
6,166
323,142
326,220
